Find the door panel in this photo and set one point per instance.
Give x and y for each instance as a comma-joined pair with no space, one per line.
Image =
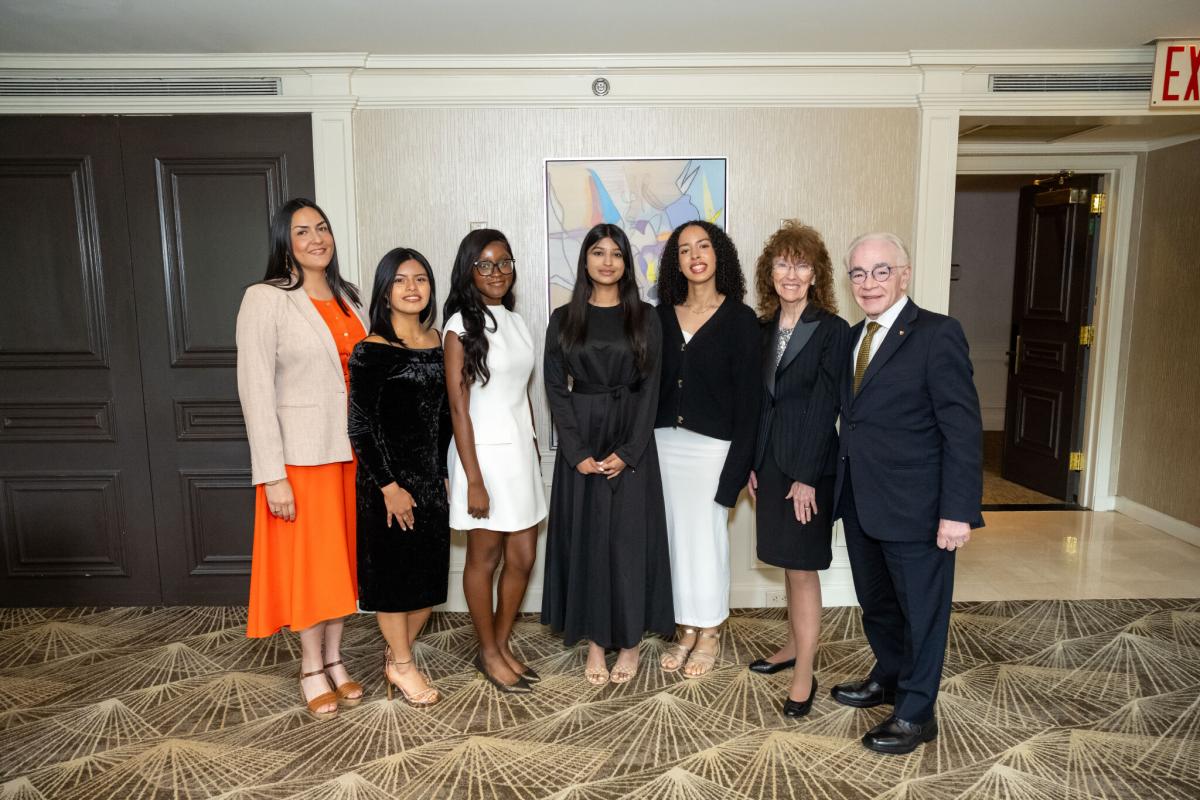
201,194
1055,250
76,511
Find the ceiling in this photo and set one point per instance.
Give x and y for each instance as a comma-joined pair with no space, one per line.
534,27
1078,130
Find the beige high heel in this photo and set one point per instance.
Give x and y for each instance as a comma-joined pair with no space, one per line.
428,696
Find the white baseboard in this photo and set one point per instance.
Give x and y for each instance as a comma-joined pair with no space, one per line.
1156,519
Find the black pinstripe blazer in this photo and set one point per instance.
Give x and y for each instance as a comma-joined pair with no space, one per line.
802,395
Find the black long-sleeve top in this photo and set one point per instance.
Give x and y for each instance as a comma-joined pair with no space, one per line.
399,418
611,409
712,385
802,395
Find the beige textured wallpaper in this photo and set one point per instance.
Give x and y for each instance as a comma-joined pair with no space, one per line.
1160,441
424,174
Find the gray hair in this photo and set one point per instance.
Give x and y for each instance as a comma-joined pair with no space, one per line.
891,238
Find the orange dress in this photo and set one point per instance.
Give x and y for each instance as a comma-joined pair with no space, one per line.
304,572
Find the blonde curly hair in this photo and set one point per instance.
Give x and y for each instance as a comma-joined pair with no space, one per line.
794,240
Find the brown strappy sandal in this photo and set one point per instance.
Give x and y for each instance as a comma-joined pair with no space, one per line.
346,688
423,699
323,699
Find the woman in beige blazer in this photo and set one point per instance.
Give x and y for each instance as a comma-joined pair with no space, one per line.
295,332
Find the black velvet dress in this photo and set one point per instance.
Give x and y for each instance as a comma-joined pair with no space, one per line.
400,429
608,569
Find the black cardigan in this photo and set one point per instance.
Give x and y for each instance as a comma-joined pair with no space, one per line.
802,395
713,386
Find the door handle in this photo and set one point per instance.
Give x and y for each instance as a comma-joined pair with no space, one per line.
1017,356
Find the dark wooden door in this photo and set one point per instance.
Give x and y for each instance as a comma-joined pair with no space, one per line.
1051,303
201,192
124,468
76,511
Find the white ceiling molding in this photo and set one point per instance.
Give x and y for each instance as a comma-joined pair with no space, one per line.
638,61
174,105
268,62
1030,58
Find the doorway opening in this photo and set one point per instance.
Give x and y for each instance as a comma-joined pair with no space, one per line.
1023,286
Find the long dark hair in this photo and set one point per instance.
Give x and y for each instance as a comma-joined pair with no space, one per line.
280,261
672,286
463,298
385,276
574,326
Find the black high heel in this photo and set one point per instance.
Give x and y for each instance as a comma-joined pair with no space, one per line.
799,708
529,675
520,687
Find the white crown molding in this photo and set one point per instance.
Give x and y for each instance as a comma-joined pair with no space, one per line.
1040,148
67,104
266,62
1040,103
1031,58
1171,141
611,61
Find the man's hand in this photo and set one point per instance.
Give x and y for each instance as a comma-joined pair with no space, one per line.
952,535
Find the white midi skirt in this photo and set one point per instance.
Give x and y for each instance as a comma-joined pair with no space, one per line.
697,526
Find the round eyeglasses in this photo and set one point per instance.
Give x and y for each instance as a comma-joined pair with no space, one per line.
880,272
486,268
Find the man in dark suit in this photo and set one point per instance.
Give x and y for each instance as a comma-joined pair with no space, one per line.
909,486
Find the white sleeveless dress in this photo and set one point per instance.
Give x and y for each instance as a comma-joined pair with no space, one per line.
504,443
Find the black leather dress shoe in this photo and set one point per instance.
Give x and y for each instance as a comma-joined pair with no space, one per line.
863,694
895,736
798,708
764,667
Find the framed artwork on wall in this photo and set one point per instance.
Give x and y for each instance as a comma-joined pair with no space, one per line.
647,197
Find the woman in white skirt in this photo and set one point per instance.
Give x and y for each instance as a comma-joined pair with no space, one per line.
496,491
705,429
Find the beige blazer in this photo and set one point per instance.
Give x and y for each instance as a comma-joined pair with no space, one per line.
290,383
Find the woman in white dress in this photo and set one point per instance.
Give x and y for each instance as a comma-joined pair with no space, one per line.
705,430
496,491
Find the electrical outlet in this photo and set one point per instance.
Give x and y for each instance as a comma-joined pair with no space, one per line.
477,226
775,598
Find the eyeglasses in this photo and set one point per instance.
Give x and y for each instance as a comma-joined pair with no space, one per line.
880,272
783,267
486,268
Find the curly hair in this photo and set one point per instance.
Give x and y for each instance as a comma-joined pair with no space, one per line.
673,287
795,240
465,298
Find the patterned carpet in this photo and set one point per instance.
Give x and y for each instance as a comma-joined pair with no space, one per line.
1042,700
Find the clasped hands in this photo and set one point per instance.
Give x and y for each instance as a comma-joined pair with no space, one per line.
610,467
803,497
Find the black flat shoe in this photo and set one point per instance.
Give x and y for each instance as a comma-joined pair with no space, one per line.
529,675
764,667
863,694
894,736
520,687
799,708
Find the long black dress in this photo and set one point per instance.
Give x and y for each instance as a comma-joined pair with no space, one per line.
400,428
608,570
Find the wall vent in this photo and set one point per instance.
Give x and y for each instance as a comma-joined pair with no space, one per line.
139,87
1068,82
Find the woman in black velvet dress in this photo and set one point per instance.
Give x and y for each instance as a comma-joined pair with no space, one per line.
400,429
607,564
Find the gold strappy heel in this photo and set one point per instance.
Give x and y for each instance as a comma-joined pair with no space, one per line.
705,660
678,652
423,699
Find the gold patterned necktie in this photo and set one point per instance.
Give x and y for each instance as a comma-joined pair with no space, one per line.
864,354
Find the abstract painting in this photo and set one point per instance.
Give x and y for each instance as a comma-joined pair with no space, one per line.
647,197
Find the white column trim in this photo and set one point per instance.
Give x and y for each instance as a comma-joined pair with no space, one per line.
333,171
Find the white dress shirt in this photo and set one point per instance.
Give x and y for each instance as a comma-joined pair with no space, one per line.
886,320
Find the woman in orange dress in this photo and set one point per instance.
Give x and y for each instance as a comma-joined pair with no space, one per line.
295,331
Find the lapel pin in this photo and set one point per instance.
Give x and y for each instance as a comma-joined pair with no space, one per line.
899,333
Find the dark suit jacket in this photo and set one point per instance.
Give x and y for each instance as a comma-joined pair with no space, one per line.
802,395
911,438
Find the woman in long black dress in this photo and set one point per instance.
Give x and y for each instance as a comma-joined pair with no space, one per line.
400,429
607,563
805,356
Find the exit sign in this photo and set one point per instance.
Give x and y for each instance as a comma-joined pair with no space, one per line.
1176,74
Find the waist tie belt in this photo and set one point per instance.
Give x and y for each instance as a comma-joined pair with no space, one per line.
584,387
